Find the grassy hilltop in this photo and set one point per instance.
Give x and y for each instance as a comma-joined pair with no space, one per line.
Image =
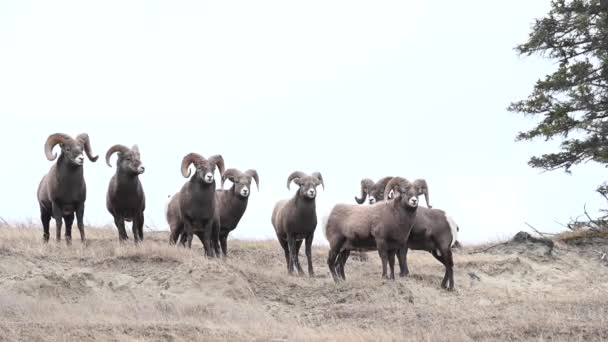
157,292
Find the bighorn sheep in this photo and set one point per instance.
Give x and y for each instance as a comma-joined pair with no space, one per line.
232,203
434,231
295,219
383,226
375,191
193,209
125,198
62,191
423,189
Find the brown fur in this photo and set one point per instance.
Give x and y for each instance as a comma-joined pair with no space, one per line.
62,191
295,220
383,226
231,205
125,198
193,210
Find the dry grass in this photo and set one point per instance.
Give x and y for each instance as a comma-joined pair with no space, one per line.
156,292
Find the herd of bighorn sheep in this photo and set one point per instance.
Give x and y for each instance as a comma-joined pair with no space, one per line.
390,224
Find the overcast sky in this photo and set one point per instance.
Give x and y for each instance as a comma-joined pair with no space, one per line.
351,89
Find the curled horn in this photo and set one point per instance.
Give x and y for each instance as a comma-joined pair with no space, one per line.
86,142
382,183
254,174
189,159
116,148
394,184
319,177
366,184
51,141
228,174
294,175
218,160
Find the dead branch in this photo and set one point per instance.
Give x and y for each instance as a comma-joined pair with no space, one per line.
488,248
538,232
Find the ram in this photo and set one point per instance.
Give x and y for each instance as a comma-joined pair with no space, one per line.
295,219
232,203
193,209
383,226
62,192
433,231
125,198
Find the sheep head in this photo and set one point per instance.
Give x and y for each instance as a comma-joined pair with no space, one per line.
366,185
423,188
129,159
308,184
405,192
375,191
71,148
242,181
205,168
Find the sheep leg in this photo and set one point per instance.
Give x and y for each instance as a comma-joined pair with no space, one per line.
183,239
447,260
216,238
224,243
342,257
291,245
122,232
45,217
391,262
402,258
308,246
449,268
207,243
333,256
139,222
80,222
69,220
187,234
297,259
286,250
383,253
135,230
57,215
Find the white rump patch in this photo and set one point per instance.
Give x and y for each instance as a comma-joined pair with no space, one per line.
453,228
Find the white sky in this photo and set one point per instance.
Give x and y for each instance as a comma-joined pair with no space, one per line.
352,89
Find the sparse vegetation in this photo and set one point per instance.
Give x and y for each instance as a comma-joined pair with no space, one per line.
157,292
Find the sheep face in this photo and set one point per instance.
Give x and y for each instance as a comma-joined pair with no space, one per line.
241,181
376,194
205,170
242,185
404,192
308,186
307,183
408,195
130,161
73,151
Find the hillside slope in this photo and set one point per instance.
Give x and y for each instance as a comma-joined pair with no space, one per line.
156,292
